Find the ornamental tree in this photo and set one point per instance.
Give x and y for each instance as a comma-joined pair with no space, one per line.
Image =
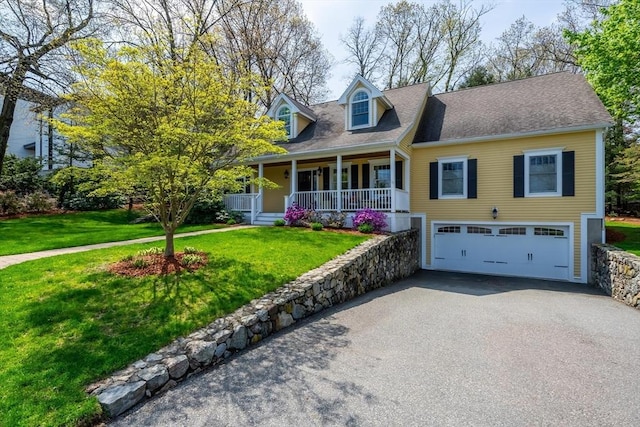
172,126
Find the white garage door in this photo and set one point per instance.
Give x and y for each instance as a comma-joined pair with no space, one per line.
516,250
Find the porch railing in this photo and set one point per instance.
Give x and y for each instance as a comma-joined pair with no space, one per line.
239,202
351,200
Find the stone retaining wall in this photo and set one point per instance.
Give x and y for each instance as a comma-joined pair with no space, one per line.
617,272
374,263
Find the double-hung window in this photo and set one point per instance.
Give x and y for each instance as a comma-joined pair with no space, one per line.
360,109
453,178
544,173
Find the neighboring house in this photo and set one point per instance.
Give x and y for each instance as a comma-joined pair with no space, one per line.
500,179
31,134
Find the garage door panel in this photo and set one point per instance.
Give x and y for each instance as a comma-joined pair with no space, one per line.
531,251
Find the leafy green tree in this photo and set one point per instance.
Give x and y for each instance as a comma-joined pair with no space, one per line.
609,53
479,76
172,126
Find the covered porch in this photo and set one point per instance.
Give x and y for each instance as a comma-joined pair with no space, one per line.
342,183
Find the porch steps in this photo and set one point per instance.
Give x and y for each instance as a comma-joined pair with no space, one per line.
267,218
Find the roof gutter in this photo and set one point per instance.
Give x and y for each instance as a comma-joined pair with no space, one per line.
511,135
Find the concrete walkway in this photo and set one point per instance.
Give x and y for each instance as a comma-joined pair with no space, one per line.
7,260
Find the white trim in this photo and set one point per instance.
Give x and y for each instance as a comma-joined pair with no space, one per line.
571,268
600,167
284,99
354,150
547,152
369,108
511,135
465,176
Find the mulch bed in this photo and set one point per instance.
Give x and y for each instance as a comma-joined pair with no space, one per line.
156,265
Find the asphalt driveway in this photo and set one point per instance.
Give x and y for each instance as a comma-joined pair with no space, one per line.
437,349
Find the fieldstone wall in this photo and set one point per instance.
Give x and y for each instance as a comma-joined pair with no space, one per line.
374,263
617,272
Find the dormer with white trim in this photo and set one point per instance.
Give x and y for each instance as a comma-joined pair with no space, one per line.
364,104
296,116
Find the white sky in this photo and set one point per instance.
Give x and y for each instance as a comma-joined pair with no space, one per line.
333,17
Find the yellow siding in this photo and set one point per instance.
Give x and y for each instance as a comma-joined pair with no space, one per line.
380,110
273,199
302,122
495,184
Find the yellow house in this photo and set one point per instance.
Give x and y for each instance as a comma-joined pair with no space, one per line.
499,179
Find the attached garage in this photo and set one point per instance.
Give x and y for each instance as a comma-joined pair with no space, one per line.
542,251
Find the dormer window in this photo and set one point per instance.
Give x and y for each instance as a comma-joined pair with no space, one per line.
364,105
284,115
360,109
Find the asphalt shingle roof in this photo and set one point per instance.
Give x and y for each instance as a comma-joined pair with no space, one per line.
553,101
328,131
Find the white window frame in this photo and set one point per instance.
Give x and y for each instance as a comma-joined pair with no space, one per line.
333,167
372,171
370,108
465,177
546,152
290,118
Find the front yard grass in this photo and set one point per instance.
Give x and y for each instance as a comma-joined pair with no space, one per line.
631,232
65,322
42,232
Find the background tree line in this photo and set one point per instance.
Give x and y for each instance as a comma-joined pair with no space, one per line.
410,42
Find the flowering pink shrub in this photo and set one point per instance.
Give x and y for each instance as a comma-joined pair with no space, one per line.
375,219
294,214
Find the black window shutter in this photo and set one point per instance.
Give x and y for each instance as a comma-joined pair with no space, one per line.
433,180
399,174
568,173
325,179
518,176
472,179
354,176
365,175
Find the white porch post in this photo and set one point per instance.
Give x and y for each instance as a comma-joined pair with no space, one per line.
261,189
392,171
294,176
338,182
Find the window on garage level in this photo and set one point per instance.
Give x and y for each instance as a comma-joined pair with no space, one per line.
453,178
542,173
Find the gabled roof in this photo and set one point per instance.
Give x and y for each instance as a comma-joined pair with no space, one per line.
361,81
552,102
328,132
296,107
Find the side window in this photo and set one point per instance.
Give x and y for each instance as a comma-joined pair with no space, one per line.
453,178
544,173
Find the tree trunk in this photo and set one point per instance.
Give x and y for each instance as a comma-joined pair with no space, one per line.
11,91
169,251
6,119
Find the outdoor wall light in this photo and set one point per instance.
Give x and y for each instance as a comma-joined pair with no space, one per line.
494,212
286,174
319,170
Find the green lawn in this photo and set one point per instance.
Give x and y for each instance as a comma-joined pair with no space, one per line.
631,242
42,232
65,322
